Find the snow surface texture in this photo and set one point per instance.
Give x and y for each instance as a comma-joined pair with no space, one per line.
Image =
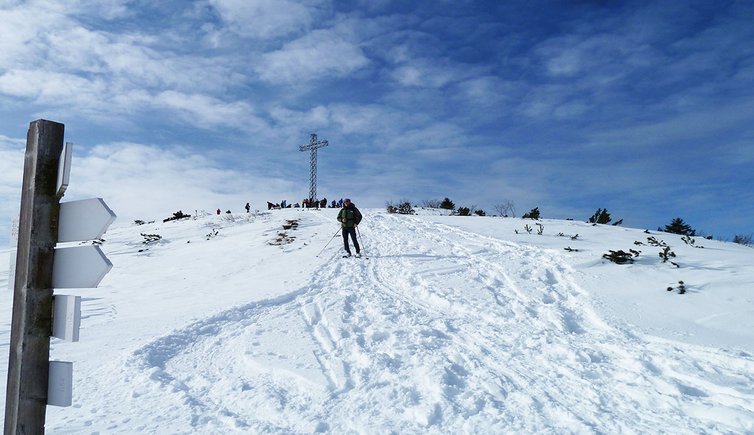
230,324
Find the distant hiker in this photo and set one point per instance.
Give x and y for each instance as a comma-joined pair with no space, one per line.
340,203
248,207
334,204
323,203
349,218
283,203
218,212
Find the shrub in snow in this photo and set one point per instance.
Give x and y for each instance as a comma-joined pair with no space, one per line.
620,256
600,217
447,204
480,213
431,203
464,211
681,288
691,242
743,240
654,242
505,208
404,207
678,226
666,254
151,238
533,214
177,215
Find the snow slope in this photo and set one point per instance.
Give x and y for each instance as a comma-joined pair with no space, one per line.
452,325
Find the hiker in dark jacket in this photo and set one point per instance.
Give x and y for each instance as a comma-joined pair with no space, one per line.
349,218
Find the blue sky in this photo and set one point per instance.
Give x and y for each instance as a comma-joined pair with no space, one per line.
643,108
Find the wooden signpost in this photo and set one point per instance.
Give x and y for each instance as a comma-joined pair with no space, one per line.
33,380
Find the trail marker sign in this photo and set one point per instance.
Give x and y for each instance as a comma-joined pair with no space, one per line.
60,386
66,320
64,168
86,219
33,380
79,267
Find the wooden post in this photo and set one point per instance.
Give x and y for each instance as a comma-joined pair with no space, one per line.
31,328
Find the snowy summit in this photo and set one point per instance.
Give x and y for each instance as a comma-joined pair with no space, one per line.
234,324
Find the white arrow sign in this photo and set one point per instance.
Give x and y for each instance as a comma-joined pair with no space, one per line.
60,383
64,168
66,318
79,267
86,219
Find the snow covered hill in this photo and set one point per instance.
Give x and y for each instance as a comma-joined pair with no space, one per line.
231,324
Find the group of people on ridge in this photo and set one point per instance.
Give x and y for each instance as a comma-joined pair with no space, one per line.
349,218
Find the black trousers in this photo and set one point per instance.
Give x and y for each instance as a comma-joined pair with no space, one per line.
352,232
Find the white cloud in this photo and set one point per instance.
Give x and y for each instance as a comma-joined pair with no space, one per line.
54,61
207,111
318,54
48,87
316,117
432,73
146,182
267,18
593,56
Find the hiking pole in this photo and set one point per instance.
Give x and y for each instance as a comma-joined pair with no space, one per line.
333,236
361,239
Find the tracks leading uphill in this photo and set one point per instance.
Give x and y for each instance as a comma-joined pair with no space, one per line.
440,331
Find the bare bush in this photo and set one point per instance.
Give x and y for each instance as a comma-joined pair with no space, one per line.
505,208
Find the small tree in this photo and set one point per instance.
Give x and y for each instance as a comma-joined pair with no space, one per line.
431,203
405,208
447,204
533,214
505,208
678,226
464,211
480,212
600,217
743,239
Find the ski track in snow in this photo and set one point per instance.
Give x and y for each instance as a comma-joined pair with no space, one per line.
443,332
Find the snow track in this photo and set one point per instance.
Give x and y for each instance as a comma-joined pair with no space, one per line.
443,331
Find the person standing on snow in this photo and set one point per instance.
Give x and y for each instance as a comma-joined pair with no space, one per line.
349,218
